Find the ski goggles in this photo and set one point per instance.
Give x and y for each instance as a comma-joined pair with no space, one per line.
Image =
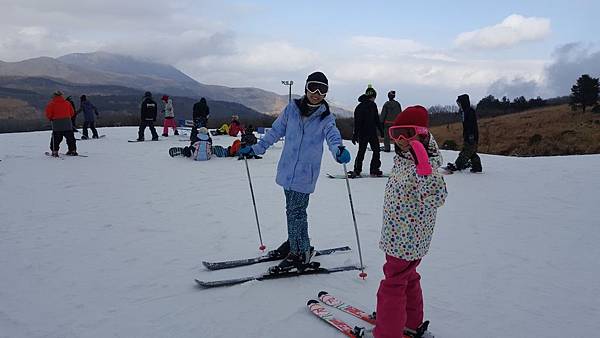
407,133
315,87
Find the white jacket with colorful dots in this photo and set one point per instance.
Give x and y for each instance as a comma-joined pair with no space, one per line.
410,206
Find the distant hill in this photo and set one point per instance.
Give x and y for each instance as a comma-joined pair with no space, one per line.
554,130
101,68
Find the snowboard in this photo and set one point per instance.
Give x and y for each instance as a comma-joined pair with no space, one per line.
340,176
64,155
91,138
136,141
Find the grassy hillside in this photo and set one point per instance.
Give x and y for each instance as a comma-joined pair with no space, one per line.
545,131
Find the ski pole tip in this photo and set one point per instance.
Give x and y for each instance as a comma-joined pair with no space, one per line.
363,275
262,247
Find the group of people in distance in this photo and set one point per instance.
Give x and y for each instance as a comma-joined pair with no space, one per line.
413,193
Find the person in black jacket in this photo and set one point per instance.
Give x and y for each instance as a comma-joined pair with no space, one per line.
468,154
200,113
74,118
366,128
148,112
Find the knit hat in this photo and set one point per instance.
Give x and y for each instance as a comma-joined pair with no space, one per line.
391,94
83,97
413,116
203,130
370,92
58,93
165,98
147,94
318,77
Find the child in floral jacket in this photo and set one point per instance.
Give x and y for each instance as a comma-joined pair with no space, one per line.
413,193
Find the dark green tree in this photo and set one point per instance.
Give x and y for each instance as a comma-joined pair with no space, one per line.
584,93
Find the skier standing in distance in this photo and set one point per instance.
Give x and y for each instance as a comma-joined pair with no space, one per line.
305,123
366,128
413,193
169,115
389,112
200,113
468,154
148,112
59,111
89,115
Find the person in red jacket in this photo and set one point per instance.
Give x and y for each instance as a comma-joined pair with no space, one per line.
59,111
234,126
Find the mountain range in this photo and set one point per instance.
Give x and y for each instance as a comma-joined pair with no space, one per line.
107,69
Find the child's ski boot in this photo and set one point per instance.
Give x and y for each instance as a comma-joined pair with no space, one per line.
421,332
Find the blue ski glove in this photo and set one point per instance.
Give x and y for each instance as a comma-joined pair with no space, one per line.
247,150
342,155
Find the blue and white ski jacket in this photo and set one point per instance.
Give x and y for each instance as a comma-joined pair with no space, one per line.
300,162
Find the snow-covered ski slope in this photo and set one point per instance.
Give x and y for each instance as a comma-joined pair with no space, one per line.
109,245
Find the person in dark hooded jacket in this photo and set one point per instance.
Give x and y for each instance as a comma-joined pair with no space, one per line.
468,154
200,113
148,112
89,115
366,128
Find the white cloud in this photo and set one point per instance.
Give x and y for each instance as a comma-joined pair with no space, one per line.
388,46
511,31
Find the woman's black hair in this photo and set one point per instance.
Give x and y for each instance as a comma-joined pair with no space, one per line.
302,104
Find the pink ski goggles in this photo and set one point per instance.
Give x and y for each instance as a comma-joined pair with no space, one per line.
407,133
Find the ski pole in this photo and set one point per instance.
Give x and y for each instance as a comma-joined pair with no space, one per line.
362,273
262,247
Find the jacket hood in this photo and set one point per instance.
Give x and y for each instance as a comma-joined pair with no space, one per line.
463,101
363,98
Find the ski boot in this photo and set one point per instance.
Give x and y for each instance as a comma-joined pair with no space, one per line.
296,261
376,173
72,153
165,135
140,139
450,167
95,136
84,137
281,252
54,153
476,170
155,138
176,132
353,174
187,151
421,331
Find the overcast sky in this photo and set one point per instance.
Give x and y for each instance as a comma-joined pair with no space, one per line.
428,53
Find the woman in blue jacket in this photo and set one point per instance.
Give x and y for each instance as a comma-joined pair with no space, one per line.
305,123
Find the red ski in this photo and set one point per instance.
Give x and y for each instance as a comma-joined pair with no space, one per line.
321,311
349,309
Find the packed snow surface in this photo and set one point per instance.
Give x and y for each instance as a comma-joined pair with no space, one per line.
110,245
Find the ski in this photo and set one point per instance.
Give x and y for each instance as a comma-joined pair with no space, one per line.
340,176
269,257
90,138
315,269
321,311
337,303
